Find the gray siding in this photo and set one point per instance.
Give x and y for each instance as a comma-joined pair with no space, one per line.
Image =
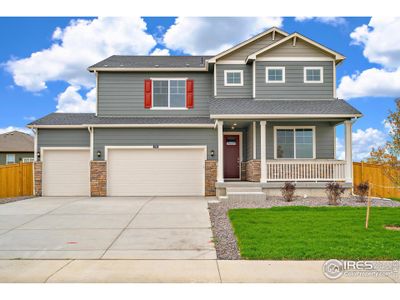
150,136
63,138
294,87
324,138
122,94
245,91
18,156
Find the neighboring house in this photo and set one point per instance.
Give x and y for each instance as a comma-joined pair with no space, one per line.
15,147
262,112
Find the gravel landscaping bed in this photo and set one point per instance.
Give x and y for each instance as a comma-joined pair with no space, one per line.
8,200
224,238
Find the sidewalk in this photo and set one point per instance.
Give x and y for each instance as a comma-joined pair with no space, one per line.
210,271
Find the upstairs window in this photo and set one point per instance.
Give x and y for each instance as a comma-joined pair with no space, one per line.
233,77
275,75
313,75
169,93
295,142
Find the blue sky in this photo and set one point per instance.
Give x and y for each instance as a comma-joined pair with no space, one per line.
55,78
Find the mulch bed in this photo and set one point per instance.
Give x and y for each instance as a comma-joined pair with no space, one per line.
14,199
224,238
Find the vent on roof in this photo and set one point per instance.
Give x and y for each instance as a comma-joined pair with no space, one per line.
156,66
105,65
187,65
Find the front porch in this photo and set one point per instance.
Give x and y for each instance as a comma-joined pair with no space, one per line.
262,162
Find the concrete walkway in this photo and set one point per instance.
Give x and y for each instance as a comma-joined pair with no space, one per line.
106,228
170,271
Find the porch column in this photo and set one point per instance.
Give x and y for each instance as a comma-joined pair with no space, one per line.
220,165
263,177
348,151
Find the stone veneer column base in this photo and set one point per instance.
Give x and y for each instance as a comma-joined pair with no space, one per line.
211,177
98,178
37,178
243,171
253,170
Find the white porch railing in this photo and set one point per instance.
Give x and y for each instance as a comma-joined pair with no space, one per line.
306,170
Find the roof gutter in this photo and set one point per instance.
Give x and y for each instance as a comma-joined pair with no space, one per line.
188,69
283,116
161,125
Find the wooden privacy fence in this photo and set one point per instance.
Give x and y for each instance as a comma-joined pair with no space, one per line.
381,185
16,180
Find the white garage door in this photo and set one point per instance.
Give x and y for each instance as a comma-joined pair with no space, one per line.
66,172
156,172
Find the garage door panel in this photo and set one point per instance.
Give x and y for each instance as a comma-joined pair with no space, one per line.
66,173
157,172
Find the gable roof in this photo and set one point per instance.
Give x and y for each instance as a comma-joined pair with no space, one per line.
252,39
133,62
338,57
16,141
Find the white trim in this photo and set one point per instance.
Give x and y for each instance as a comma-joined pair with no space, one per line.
294,41
215,81
104,69
263,145
128,126
91,129
283,58
169,93
168,78
42,149
35,144
214,59
275,68
10,162
107,148
27,159
273,35
283,116
97,92
233,71
254,79
294,141
254,141
348,150
339,57
321,72
334,142
231,62
220,162
240,134
334,79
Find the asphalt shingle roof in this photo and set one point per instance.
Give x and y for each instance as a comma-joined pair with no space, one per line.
16,141
276,107
91,119
133,61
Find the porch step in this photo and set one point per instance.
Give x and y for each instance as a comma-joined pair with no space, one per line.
246,196
243,189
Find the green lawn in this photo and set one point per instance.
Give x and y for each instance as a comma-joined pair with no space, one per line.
316,233
395,199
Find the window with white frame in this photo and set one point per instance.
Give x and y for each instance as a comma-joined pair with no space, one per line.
275,74
295,142
313,75
169,93
10,158
233,77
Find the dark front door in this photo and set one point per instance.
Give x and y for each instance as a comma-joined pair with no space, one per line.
231,156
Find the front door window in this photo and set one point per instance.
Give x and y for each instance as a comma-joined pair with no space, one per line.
232,156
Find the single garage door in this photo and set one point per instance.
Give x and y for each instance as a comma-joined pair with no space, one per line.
66,172
156,172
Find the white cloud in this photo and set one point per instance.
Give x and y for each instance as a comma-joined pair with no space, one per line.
381,43
363,142
159,51
71,101
14,128
211,35
334,21
77,46
370,83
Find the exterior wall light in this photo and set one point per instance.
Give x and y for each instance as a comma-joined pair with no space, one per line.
212,153
99,153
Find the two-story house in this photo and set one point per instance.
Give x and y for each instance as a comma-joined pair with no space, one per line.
244,121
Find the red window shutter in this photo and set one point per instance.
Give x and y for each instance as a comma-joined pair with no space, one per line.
189,93
147,93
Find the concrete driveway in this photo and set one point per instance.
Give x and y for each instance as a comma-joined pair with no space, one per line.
106,228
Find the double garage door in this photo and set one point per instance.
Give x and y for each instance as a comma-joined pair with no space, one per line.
130,172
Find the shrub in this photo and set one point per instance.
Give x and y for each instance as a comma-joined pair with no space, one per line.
288,190
334,191
362,191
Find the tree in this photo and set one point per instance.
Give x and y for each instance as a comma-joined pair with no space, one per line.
389,154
